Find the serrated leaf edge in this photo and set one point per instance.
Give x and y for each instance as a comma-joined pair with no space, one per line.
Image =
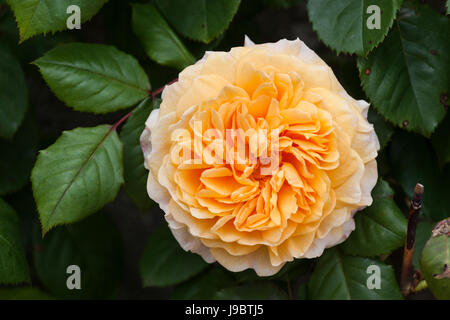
44,229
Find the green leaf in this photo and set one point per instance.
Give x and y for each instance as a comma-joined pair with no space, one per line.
165,263
8,28
412,160
93,244
135,174
406,75
25,293
340,277
42,16
254,291
13,263
383,129
343,25
17,157
380,229
160,42
203,286
94,77
435,256
423,233
201,20
13,95
77,175
448,7
382,190
441,141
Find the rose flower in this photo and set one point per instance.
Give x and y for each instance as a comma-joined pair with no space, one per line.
258,156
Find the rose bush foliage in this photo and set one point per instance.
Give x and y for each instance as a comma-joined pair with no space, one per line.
359,119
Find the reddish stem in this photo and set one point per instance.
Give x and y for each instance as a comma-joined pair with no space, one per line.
118,123
152,94
158,91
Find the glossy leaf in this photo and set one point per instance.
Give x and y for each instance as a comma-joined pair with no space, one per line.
413,161
380,229
406,75
13,262
160,42
94,77
204,286
42,16
434,260
201,20
165,263
252,291
77,175
340,277
343,25
13,93
17,157
135,174
93,245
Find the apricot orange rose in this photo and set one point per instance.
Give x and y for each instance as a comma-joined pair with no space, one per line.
258,156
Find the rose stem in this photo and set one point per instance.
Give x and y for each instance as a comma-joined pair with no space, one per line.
158,91
153,94
416,205
118,123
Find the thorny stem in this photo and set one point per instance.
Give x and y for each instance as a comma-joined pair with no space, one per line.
407,280
153,94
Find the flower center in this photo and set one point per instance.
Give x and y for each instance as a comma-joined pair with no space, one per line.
256,156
